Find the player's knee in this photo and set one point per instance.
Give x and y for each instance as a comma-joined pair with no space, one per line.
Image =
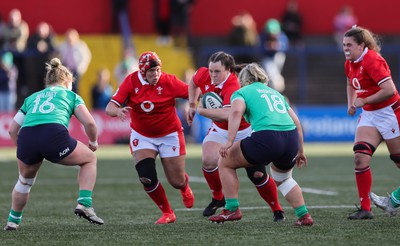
396,159
286,186
257,177
209,162
146,170
24,185
284,181
364,148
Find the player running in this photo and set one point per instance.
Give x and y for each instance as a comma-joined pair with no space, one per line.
148,95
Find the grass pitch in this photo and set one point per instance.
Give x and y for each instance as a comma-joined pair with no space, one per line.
328,184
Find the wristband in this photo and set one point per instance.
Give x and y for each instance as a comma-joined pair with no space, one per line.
365,101
192,105
94,143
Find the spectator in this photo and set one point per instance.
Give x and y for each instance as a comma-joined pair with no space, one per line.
119,7
180,25
8,78
162,16
274,44
15,32
292,23
75,55
342,22
42,46
102,90
244,33
128,65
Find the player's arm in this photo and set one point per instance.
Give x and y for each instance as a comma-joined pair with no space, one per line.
194,94
388,89
114,110
16,126
351,97
301,159
218,114
86,119
234,119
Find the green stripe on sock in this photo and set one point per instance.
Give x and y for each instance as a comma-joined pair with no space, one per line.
395,198
301,211
85,198
15,216
232,204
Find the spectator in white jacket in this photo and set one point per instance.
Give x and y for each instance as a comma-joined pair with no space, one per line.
75,55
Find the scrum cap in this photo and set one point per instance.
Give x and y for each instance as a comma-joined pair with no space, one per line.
148,60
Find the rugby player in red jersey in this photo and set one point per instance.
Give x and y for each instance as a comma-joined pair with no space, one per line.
148,95
220,77
370,87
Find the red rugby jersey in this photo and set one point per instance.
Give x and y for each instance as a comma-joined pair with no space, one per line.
203,80
153,111
365,76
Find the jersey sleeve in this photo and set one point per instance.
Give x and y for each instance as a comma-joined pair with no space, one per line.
199,76
237,95
78,101
181,88
123,91
377,69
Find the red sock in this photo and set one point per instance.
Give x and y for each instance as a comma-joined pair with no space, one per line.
213,181
186,183
364,183
159,197
268,191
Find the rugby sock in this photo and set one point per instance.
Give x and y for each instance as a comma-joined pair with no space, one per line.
364,183
160,198
15,216
213,181
268,191
85,198
301,211
186,183
232,204
395,198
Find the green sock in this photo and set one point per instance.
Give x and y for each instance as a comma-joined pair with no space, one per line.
15,216
85,198
301,211
395,198
232,204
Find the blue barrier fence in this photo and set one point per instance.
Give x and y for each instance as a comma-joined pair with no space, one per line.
320,124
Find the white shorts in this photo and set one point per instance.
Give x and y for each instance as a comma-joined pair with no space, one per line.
384,120
216,134
171,145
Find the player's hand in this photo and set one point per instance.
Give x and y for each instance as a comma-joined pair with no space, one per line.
223,151
301,160
359,102
351,110
93,145
122,112
190,115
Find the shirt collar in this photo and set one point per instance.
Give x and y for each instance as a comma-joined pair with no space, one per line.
362,55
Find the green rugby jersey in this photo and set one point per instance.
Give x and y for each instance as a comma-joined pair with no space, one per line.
266,109
55,104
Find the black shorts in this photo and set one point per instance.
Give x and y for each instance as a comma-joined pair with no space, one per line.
278,147
49,141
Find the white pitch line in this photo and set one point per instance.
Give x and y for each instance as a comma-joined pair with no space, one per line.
255,208
304,189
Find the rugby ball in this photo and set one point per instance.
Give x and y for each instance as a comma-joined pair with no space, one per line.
211,100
